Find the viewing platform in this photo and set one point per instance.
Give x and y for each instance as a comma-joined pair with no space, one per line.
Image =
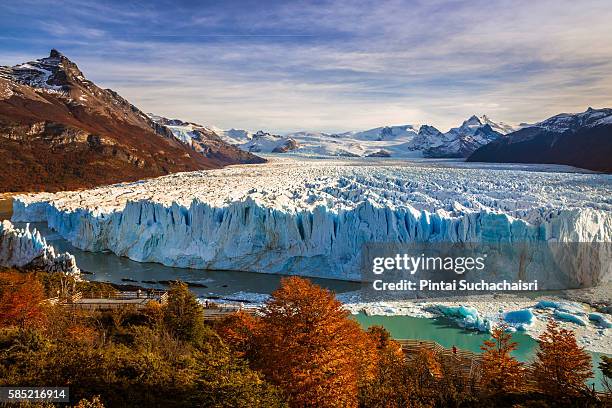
117,300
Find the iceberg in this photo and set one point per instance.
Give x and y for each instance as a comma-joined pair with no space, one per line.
25,248
312,217
521,317
466,316
600,319
567,307
547,304
559,314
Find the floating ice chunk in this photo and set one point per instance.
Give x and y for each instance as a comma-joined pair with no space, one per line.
466,316
566,307
523,316
459,311
559,314
545,304
601,320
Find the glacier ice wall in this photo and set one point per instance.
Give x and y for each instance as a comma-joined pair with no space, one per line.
24,248
246,236
312,219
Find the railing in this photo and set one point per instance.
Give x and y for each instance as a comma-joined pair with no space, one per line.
468,361
115,300
218,311
412,345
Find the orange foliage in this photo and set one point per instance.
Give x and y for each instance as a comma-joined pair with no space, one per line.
389,387
309,347
561,367
429,362
21,302
238,331
501,372
81,333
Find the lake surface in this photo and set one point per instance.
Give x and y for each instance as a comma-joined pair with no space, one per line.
108,267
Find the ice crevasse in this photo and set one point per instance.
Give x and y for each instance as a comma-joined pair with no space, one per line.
314,226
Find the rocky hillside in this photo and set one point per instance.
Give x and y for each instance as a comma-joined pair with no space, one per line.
206,141
581,140
60,131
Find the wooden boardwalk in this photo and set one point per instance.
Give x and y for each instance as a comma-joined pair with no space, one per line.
219,311
120,299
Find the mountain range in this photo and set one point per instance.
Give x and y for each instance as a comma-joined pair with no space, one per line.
59,131
576,139
385,141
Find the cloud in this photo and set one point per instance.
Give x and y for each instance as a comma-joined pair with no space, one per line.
333,65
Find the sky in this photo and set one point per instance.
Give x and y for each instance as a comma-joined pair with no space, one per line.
329,66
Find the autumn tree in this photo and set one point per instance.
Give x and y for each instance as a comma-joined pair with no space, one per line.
183,315
222,380
238,331
390,385
21,304
561,367
310,348
501,373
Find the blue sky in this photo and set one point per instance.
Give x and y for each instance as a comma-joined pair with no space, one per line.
329,65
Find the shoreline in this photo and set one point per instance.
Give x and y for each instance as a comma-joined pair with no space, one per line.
490,308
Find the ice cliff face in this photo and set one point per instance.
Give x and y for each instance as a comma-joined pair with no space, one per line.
23,248
312,217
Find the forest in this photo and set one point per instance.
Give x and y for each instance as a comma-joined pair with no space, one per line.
302,349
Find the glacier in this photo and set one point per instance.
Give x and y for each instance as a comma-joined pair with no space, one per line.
311,217
25,248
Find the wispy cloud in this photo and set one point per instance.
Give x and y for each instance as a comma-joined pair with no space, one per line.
331,65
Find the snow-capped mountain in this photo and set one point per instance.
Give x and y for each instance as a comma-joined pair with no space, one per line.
573,121
581,139
200,137
382,133
499,127
384,141
51,73
326,144
264,142
460,141
205,140
58,130
235,136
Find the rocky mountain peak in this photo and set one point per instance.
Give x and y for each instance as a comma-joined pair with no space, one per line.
428,130
472,121
55,54
55,73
